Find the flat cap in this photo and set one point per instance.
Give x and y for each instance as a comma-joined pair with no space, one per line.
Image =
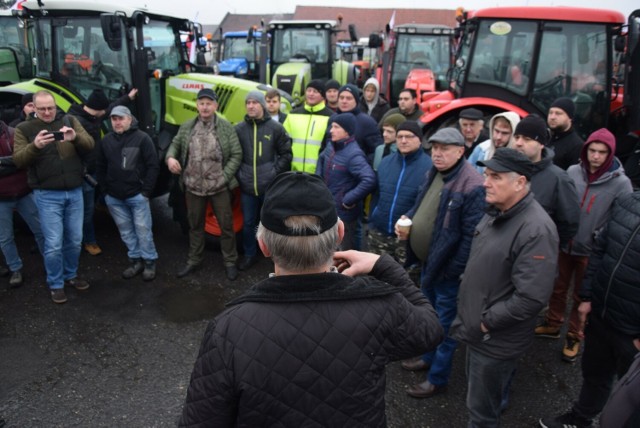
447,136
471,114
509,160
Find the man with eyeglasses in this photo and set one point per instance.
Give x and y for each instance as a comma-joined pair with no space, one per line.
399,178
51,146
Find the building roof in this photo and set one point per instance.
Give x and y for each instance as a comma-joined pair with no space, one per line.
367,21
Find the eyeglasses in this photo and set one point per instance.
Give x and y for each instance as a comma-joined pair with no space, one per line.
43,109
406,137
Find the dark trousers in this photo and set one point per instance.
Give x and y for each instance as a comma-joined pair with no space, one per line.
607,354
196,210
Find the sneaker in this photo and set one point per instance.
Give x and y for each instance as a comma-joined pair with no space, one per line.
571,348
93,249
16,279
136,267
58,296
149,272
4,271
568,420
79,284
545,330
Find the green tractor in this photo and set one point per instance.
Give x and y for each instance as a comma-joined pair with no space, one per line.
97,45
304,50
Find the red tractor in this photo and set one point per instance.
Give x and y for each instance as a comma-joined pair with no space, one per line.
414,56
522,58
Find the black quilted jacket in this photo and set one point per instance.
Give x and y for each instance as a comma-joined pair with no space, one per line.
612,277
309,351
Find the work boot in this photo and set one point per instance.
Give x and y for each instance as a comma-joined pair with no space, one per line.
16,279
571,348
149,272
547,331
137,266
93,249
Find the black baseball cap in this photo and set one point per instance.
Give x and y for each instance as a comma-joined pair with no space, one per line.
297,193
509,160
207,93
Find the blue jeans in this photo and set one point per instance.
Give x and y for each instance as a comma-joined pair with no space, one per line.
487,380
89,198
26,207
133,218
250,213
443,295
60,214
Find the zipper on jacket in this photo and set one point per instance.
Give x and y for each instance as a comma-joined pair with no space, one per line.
395,195
255,161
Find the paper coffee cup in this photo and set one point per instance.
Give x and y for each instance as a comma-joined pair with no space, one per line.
404,225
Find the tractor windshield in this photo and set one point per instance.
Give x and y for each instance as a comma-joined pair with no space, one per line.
419,51
309,44
83,60
237,47
568,59
14,37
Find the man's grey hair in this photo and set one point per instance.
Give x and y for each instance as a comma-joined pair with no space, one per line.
300,253
514,176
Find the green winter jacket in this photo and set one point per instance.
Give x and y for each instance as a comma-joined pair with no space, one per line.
228,139
57,166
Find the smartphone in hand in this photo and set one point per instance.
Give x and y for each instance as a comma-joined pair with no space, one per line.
57,135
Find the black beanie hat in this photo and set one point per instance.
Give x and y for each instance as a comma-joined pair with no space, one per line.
331,84
411,126
26,99
533,127
97,100
347,121
565,104
317,85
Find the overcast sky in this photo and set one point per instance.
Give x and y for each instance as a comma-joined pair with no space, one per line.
213,11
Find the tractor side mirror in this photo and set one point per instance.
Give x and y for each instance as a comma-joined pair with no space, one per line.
375,41
112,30
352,33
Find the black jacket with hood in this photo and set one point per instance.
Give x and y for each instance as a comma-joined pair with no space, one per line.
127,164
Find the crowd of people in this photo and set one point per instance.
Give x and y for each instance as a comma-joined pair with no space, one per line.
472,234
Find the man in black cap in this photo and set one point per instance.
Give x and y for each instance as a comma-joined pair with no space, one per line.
367,133
331,89
307,126
308,345
206,154
552,187
565,141
449,205
400,176
27,108
507,281
471,123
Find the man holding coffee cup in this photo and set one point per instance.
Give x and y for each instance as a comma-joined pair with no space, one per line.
443,219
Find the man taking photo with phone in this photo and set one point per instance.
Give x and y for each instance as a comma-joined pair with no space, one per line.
55,173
